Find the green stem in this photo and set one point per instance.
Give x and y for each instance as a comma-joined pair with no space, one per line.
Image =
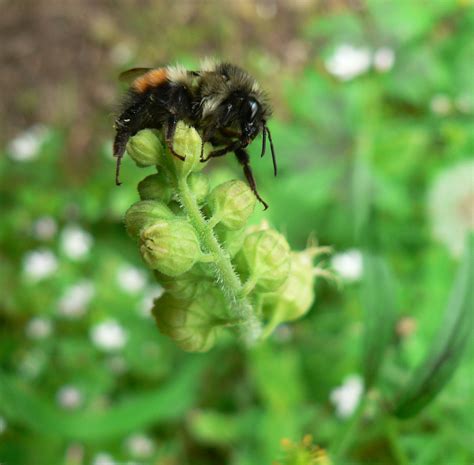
392,435
347,437
226,276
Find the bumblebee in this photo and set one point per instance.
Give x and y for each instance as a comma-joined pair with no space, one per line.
222,101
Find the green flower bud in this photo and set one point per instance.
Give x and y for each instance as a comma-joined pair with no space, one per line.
296,296
155,187
232,240
187,142
170,246
193,325
145,213
232,203
188,286
199,185
265,260
146,148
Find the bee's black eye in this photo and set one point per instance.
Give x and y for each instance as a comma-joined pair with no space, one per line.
253,107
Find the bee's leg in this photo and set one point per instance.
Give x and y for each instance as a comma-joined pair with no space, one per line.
243,158
126,126
220,152
170,130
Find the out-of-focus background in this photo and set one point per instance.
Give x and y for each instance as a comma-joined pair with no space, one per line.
373,127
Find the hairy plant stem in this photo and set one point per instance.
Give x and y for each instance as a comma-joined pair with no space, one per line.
226,276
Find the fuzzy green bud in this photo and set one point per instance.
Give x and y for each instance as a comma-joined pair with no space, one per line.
232,203
296,296
146,148
231,239
189,285
187,143
145,213
193,325
265,259
199,185
170,246
155,187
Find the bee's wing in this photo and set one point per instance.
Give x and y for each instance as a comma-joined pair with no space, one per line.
131,74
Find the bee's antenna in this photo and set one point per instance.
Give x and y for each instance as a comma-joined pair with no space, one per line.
264,140
275,169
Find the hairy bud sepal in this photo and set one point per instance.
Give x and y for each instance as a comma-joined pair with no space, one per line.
170,246
146,148
231,204
265,260
145,213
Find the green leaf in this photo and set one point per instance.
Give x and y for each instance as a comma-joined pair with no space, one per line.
378,299
21,405
445,353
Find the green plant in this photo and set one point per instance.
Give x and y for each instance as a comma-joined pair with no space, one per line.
218,273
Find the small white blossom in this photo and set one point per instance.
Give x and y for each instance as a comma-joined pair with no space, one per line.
348,264
69,397
384,59
346,398
73,303
39,264
3,425
108,335
27,144
140,446
441,105
122,53
266,9
45,228
75,242
146,304
131,279
102,458
348,62
451,206
39,328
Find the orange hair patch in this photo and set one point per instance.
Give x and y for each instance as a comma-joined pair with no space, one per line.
153,78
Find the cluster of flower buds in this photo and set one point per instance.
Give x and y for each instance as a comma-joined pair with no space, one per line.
217,272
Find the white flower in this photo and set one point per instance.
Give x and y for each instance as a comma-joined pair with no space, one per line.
146,304
75,299
131,279
75,242
39,328
102,458
3,425
384,59
33,363
348,61
346,397
451,206
122,53
39,264
140,446
27,144
69,397
441,105
108,335
348,264
45,228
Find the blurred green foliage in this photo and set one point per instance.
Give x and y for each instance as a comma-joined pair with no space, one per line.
357,160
